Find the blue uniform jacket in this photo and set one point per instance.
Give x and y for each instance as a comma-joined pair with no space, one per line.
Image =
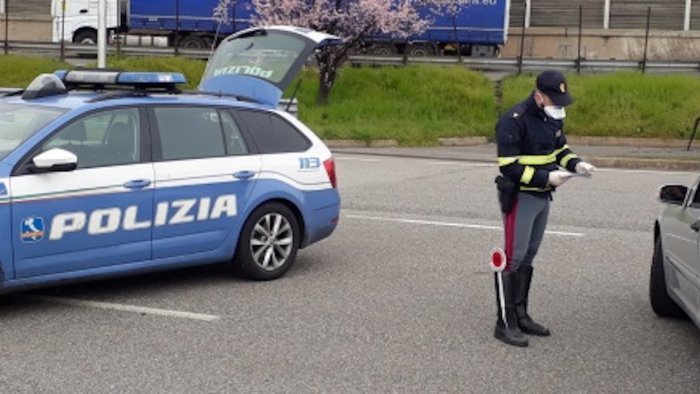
530,145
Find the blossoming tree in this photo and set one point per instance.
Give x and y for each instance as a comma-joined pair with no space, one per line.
352,20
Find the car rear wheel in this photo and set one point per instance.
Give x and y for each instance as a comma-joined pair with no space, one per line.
268,243
661,302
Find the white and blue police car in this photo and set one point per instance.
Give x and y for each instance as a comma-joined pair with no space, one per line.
106,173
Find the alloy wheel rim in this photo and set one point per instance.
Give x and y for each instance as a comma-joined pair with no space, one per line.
271,241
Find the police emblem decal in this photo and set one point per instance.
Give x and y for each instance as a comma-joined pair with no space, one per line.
32,229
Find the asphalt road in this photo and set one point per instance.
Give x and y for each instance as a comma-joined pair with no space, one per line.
399,299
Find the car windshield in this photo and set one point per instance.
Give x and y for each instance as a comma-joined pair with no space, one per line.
19,122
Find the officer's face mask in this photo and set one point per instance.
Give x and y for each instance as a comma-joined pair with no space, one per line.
555,112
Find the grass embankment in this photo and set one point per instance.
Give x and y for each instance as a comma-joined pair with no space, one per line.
416,105
623,104
19,71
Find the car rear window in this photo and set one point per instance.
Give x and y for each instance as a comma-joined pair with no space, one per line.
272,134
19,122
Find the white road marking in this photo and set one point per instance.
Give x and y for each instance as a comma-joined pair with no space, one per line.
345,158
459,163
661,172
127,308
452,224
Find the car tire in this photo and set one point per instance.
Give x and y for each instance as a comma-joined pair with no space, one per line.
262,254
662,304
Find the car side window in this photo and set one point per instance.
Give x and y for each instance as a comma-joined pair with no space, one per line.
272,134
696,199
102,139
235,143
190,133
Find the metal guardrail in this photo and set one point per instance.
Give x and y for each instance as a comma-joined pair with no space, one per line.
480,63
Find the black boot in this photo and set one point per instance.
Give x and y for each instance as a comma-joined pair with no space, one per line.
508,330
527,325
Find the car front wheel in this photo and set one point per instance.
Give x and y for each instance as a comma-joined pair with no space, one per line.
661,302
268,243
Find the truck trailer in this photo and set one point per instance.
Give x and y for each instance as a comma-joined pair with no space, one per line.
478,29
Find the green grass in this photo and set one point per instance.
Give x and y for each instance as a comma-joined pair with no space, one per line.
414,105
623,104
20,71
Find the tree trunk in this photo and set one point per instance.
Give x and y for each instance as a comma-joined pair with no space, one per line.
327,73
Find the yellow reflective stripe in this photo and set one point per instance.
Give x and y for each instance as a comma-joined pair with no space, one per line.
537,160
567,158
562,149
504,161
534,189
527,175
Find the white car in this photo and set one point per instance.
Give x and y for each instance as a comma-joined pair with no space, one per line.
675,270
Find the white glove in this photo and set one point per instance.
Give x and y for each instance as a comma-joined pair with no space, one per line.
558,177
586,169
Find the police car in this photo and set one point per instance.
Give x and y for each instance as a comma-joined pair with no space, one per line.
106,173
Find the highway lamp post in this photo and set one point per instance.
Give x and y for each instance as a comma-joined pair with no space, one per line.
102,34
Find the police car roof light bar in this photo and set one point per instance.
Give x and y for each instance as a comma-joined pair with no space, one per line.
113,79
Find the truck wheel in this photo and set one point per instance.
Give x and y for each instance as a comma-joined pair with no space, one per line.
193,42
421,50
381,49
661,303
268,243
85,37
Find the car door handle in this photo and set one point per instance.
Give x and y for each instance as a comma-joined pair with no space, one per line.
137,184
83,11
696,226
244,175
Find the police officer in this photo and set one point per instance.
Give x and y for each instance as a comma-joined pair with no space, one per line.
534,159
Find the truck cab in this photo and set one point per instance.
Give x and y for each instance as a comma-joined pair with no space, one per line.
76,20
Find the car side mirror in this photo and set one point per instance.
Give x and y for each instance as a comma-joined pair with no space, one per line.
673,194
54,160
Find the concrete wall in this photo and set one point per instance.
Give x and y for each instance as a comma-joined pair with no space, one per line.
562,43
27,29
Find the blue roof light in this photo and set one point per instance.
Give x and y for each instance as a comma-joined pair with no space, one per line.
138,80
151,78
